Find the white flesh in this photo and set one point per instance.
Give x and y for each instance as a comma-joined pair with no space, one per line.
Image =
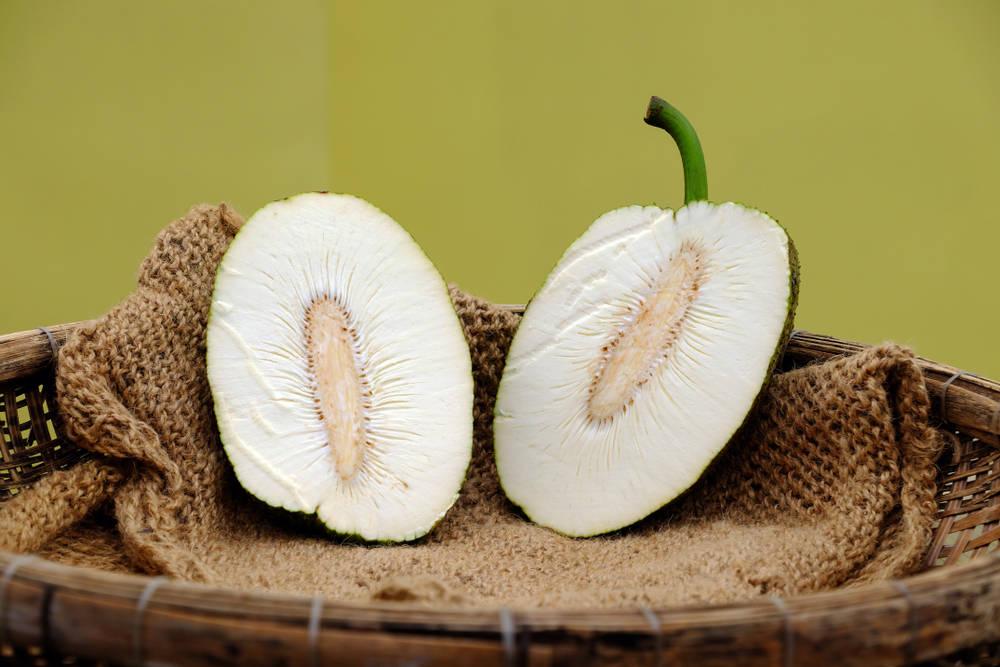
589,439
379,449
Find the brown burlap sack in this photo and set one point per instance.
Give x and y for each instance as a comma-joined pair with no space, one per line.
830,483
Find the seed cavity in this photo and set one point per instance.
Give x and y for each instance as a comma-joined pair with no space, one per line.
630,358
340,389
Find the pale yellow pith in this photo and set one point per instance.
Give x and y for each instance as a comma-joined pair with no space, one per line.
339,389
635,351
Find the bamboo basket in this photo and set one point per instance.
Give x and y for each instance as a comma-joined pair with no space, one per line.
949,614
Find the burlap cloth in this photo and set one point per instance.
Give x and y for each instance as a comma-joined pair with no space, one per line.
831,482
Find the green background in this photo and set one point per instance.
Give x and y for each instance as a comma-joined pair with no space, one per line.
496,132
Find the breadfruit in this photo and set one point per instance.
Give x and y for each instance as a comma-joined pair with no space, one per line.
642,354
339,370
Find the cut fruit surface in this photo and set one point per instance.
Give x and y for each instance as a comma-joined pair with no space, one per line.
341,376
642,354
638,360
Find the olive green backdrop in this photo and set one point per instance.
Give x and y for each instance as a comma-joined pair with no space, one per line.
497,131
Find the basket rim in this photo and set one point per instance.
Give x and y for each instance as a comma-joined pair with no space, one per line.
222,600
805,625
964,401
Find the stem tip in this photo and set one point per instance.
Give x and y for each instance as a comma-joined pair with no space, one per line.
656,105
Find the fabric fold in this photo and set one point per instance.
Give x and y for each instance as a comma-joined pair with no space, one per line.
829,483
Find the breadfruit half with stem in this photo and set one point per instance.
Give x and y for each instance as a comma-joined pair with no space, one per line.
340,373
642,354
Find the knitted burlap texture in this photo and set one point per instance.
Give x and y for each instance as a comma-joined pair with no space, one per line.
830,483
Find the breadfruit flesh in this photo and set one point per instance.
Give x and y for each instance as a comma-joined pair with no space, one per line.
339,369
638,359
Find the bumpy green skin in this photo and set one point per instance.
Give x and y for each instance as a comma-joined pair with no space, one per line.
786,332
793,302
311,524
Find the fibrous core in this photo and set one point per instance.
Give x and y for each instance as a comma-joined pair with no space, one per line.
340,390
636,350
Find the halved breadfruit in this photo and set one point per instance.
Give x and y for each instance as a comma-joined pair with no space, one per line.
340,373
639,359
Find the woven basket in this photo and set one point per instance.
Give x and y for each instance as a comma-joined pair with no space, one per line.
948,614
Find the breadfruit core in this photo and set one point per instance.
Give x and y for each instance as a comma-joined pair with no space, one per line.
341,376
639,359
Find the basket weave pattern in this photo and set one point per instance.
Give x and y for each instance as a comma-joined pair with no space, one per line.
968,497
969,503
33,443
931,618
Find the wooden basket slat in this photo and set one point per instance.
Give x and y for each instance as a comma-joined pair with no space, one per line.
92,614
29,352
36,415
988,536
983,516
13,419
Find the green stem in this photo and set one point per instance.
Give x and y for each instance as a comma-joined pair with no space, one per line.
662,115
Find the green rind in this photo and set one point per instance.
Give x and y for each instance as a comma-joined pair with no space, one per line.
311,519
307,523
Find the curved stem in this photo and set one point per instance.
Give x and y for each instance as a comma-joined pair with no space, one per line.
662,115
